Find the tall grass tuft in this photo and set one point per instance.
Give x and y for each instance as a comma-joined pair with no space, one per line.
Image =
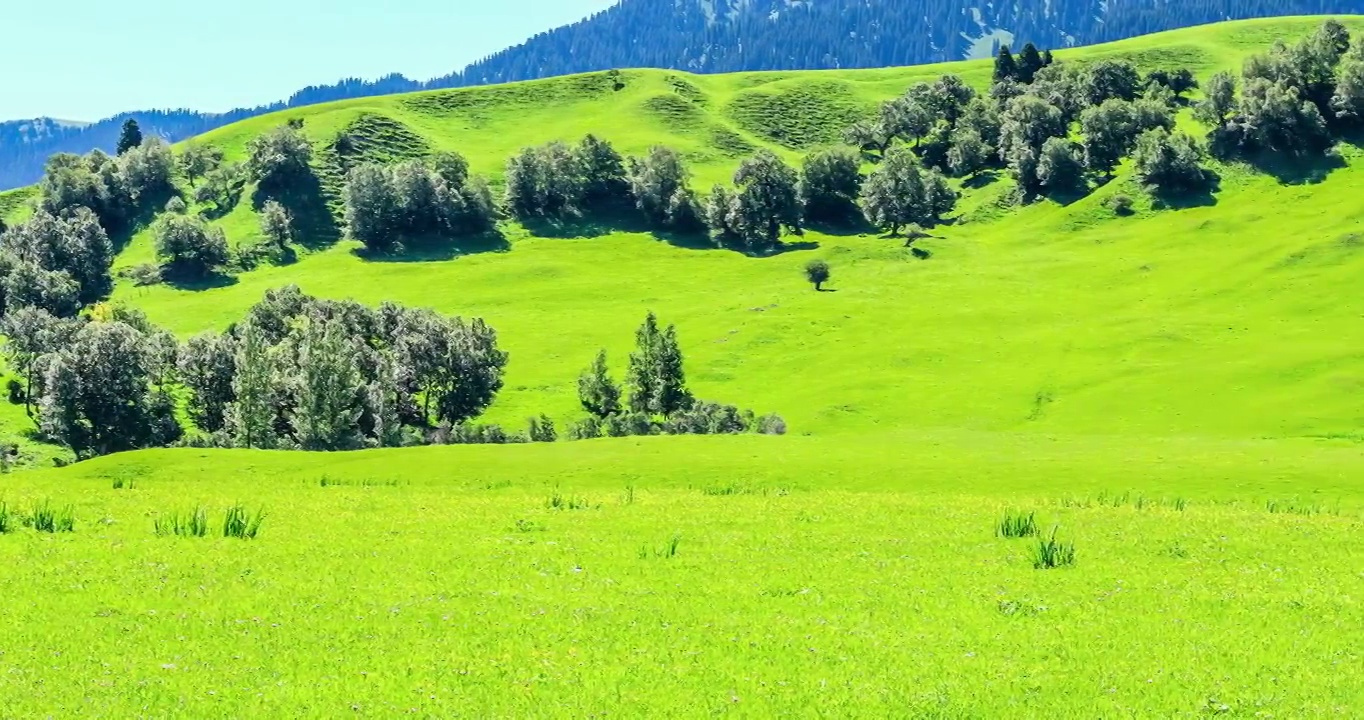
666,552
1050,553
192,524
560,501
48,519
239,523
1016,525
6,519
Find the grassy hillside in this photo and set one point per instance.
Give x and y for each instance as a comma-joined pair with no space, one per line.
1178,391
1222,318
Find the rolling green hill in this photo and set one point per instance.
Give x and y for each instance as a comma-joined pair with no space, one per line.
1178,390
1219,319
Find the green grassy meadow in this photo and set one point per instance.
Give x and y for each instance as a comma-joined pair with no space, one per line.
744,576
1178,391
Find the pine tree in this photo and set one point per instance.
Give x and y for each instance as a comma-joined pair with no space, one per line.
329,386
251,417
1029,62
130,137
383,401
1005,66
657,382
642,379
597,393
671,395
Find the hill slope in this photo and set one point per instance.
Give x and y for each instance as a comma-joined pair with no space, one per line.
1219,318
713,36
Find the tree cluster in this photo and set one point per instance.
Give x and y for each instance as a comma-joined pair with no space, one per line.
55,263
333,375
1290,100
113,188
387,206
278,157
297,372
655,399
765,201
1023,126
101,383
558,181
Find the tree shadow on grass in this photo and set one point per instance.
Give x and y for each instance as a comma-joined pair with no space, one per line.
437,249
781,248
1067,196
851,223
1204,195
619,218
1297,169
148,207
196,283
981,179
314,225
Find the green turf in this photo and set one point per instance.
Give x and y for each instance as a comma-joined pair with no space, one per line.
1053,358
750,576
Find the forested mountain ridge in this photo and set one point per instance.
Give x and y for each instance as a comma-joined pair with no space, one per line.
713,36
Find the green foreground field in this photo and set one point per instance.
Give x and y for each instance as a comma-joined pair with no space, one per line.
1178,390
749,577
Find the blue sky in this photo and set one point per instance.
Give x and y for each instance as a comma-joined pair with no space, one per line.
89,59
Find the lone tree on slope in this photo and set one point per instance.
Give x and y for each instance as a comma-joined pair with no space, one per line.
817,272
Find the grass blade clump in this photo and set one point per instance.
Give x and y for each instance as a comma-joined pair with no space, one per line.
1051,553
191,524
6,519
1017,525
48,519
666,552
560,501
239,523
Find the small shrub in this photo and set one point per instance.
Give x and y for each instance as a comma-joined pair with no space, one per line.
1017,525
6,519
585,429
143,275
1051,553
121,484
772,424
525,526
1121,204
239,523
542,430
47,519
17,395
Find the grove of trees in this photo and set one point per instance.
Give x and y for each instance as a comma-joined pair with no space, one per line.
654,398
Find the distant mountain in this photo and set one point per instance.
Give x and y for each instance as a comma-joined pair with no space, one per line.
716,36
